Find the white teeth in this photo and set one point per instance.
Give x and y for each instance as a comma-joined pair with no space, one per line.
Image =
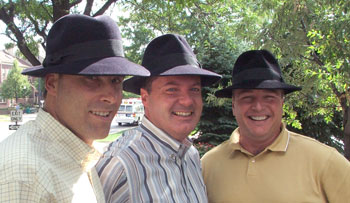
100,113
183,113
258,118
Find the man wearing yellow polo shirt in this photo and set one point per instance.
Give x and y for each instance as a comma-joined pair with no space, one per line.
263,161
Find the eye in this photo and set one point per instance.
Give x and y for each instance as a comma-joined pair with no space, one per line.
195,89
247,99
117,80
270,98
171,89
91,77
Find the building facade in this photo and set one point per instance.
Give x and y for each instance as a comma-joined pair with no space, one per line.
7,58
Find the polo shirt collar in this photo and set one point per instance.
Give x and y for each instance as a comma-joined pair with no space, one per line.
279,145
281,142
164,139
63,139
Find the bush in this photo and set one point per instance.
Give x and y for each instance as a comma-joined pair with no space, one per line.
203,147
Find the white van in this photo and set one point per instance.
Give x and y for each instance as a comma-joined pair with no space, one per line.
130,111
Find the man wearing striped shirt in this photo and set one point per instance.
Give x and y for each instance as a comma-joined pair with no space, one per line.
156,162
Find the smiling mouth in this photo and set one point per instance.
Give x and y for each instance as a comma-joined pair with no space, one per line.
258,118
101,113
183,114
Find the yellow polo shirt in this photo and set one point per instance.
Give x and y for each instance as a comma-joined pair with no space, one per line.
294,168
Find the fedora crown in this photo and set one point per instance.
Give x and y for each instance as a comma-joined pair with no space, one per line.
256,69
72,38
166,52
170,55
83,45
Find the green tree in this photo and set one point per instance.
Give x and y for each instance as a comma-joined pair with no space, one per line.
206,26
16,85
28,21
311,38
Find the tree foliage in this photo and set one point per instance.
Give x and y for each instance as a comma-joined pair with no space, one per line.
16,85
206,26
310,38
28,21
313,46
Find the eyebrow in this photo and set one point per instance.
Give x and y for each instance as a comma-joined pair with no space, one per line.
177,83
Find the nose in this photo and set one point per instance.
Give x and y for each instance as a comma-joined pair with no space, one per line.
257,105
186,99
111,93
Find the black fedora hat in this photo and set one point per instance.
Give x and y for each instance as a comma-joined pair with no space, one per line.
170,55
84,45
256,69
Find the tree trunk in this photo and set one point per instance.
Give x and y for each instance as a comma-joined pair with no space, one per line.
344,100
346,125
7,16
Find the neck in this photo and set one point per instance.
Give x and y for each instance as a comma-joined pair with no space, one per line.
256,146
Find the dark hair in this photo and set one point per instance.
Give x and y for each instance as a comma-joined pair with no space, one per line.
147,84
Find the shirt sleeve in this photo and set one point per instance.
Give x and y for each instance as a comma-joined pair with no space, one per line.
21,192
335,178
113,179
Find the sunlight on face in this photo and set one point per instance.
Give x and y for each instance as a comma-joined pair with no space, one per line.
174,104
87,104
258,112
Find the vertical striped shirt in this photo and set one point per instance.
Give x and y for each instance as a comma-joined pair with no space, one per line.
45,162
147,165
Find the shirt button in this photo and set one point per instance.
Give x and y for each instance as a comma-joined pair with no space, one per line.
253,160
172,156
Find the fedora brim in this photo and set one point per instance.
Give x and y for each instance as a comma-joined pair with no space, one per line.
266,84
207,77
97,66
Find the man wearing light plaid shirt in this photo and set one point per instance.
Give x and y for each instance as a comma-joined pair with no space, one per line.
51,159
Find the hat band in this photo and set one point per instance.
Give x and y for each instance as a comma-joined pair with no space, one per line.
87,50
256,74
164,63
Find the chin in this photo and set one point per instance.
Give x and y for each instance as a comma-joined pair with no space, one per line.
185,133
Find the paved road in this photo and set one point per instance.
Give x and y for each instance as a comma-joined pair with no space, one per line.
4,125
4,129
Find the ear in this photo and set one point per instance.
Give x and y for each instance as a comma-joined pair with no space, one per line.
233,106
51,83
144,97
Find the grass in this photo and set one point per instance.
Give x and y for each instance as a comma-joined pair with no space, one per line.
111,137
4,118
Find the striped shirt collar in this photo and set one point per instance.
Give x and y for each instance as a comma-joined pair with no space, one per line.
164,139
65,140
279,145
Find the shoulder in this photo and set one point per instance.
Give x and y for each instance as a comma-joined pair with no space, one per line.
21,156
18,149
308,144
25,169
219,152
312,150
128,139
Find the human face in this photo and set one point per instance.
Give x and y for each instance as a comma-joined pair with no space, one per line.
258,113
174,104
85,104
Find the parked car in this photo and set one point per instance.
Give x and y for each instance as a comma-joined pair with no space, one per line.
130,111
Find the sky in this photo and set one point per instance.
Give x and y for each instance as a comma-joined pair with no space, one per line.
114,13
3,38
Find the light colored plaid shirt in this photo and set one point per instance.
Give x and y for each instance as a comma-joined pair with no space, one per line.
45,162
147,165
